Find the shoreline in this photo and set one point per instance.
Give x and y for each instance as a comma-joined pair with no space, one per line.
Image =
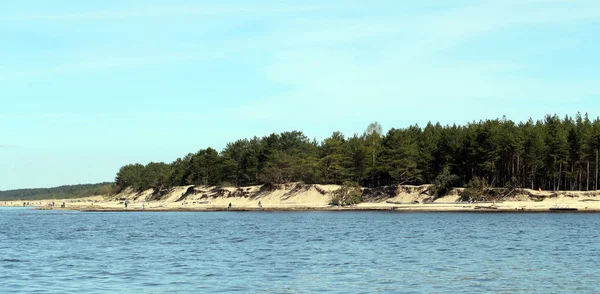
452,208
301,197
492,211
399,209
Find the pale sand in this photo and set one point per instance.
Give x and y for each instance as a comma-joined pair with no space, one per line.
314,197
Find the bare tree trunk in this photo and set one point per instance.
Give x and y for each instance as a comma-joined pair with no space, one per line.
559,174
532,178
572,182
513,170
580,177
522,178
587,175
373,162
566,180
596,188
554,176
518,162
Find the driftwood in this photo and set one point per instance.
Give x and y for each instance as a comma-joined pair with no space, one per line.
562,209
485,207
402,203
506,194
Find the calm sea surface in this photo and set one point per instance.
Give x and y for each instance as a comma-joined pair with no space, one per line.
297,252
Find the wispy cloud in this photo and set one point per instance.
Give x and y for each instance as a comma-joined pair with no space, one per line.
338,61
113,63
412,64
171,11
118,116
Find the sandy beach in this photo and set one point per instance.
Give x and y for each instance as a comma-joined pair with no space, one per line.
299,197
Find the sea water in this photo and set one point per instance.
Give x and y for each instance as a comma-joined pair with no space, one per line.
297,252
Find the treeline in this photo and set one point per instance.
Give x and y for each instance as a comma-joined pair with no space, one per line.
62,192
553,154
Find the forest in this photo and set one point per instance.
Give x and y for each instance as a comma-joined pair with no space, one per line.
552,153
62,192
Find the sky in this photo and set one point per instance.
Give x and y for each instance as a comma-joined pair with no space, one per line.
89,86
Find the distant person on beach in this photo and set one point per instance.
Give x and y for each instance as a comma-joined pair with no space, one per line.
126,202
142,205
229,207
259,205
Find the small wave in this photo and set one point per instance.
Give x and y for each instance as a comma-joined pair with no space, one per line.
237,240
11,260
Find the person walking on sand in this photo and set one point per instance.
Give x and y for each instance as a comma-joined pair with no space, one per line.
229,207
126,202
142,205
259,205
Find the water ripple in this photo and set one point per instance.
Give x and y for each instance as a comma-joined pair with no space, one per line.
300,252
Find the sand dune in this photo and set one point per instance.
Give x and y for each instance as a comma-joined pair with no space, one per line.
296,196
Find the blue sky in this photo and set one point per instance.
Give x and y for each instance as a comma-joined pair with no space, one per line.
88,86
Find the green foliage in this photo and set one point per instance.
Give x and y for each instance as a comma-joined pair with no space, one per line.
226,185
139,177
241,161
62,192
355,158
443,182
477,189
204,168
289,157
401,155
551,154
130,175
349,193
331,162
156,175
